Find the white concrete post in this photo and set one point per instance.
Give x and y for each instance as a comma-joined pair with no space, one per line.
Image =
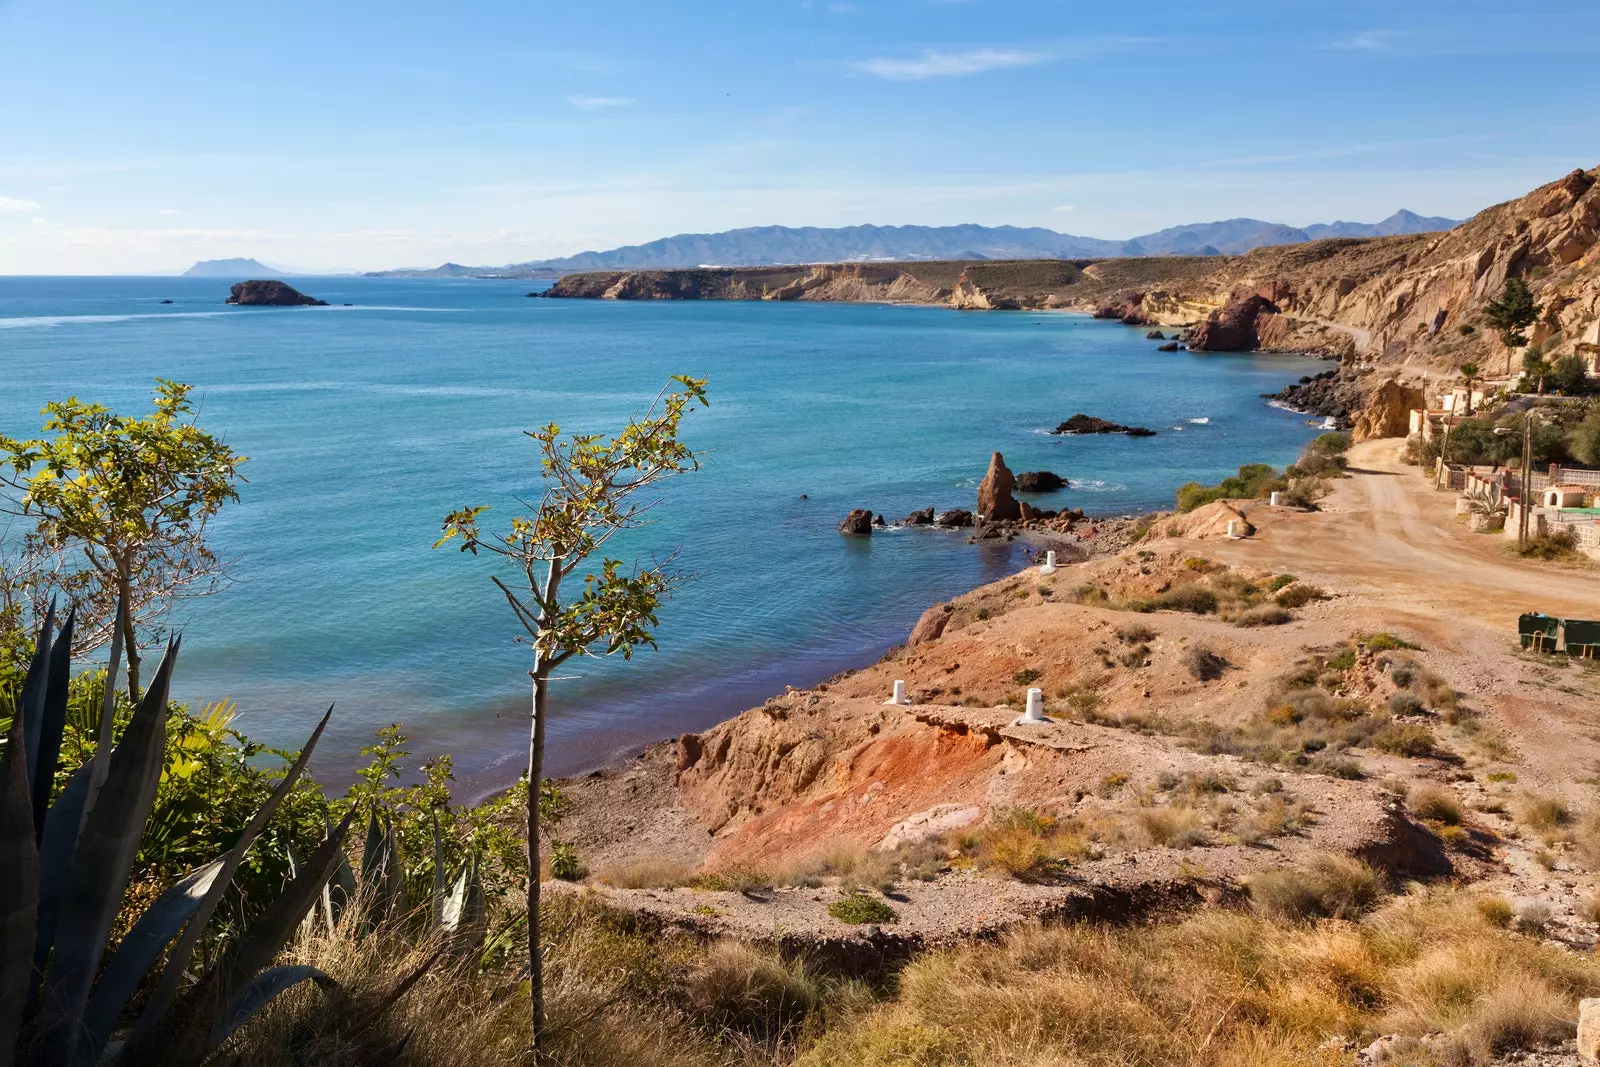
1233,529
1035,710
1049,566
1274,498
899,693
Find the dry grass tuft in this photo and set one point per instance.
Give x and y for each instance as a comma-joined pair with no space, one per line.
1328,886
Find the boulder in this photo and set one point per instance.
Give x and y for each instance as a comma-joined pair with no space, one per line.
995,502
1086,424
858,523
271,294
956,518
1170,346
1040,482
1235,327
931,626
1155,335
1388,411
918,518
1589,1029
879,521
1126,308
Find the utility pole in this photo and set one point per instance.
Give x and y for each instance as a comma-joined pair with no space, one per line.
1527,479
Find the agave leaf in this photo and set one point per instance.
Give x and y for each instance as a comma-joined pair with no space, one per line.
138,953
106,848
339,891
30,707
52,723
19,886
108,713
178,962
56,852
436,910
260,991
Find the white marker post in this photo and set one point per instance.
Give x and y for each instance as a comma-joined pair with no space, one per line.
899,694
1034,713
1049,566
1233,529
1274,498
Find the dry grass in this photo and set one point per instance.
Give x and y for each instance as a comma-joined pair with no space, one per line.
1433,804
1223,989
1335,887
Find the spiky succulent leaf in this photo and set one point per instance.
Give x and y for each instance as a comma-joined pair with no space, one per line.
260,991
30,707
178,963
19,887
52,723
106,849
56,851
138,952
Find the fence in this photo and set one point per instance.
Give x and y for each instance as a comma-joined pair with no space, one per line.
1546,633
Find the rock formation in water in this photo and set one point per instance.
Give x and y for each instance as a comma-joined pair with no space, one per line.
995,502
919,518
858,523
271,294
954,519
1040,482
1089,424
1234,328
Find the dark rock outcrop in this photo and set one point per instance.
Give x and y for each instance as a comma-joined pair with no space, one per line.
1127,308
1087,424
1155,335
1040,482
995,502
1325,394
1170,346
858,523
271,294
955,519
918,518
1236,328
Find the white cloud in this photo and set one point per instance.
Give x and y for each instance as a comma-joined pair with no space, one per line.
1368,41
947,64
168,211
9,204
1065,207
599,103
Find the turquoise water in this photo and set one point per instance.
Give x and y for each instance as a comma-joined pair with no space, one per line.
365,425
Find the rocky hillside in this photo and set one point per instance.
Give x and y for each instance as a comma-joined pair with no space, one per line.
1392,300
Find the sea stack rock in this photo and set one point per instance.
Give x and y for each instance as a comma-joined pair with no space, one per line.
995,502
1040,482
1088,424
271,294
858,523
918,518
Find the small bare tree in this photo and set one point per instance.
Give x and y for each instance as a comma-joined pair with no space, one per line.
119,507
593,488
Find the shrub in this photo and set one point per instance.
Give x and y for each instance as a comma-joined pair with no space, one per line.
1328,886
564,861
1412,740
1248,484
1404,703
1551,546
1026,676
1136,633
1299,595
1502,776
1543,812
1383,641
1264,616
1204,664
1435,804
1466,329
858,908
751,990
1195,599
1496,911
1403,676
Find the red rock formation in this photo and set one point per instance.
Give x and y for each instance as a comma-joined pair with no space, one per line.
1234,328
858,523
931,626
995,502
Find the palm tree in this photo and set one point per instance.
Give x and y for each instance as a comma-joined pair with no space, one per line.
1469,377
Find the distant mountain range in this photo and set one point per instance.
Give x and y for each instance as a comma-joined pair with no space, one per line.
758,246
232,268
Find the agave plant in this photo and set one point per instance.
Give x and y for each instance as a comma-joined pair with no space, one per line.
64,867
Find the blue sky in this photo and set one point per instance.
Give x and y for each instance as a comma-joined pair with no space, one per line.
360,135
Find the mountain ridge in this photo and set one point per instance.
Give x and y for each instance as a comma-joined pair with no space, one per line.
782,245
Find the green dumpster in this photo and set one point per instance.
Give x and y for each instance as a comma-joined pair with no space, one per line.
1583,638
1538,631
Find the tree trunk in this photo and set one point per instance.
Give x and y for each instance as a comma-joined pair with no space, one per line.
130,647
535,794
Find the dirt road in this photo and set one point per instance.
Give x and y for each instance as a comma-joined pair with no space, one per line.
1386,531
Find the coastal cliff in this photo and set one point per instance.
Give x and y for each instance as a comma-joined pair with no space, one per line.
1390,300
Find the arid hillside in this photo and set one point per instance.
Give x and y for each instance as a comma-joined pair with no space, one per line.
1390,300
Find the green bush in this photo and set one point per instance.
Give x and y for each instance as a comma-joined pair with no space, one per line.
1026,676
1195,599
1248,484
858,908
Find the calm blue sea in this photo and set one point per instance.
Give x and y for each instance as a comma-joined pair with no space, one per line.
365,425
